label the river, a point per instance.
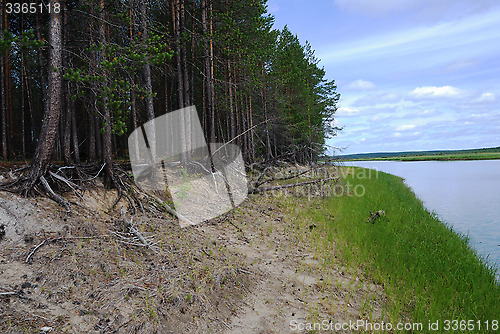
(464, 194)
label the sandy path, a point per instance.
(292, 284)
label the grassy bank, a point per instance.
(428, 271)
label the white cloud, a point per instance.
(422, 10)
(480, 115)
(461, 64)
(361, 85)
(373, 7)
(446, 42)
(487, 97)
(406, 135)
(376, 99)
(347, 111)
(406, 127)
(435, 92)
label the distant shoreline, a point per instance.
(429, 158)
(477, 154)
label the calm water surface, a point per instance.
(465, 194)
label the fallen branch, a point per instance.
(183, 221)
(9, 293)
(36, 248)
(259, 190)
(259, 183)
(138, 239)
(375, 215)
(27, 260)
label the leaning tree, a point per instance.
(48, 133)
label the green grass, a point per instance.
(428, 271)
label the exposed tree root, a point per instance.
(77, 179)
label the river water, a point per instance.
(464, 194)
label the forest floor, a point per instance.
(254, 270)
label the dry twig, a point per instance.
(259, 190)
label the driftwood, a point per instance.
(8, 294)
(375, 215)
(259, 190)
(55, 196)
(133, 236)
(260, 182)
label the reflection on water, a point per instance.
(465, 194)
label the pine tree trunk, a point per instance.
(146, 71)
(3, 102)
(269, 153)
(50, 124)
(177, 35)
(250, 116)
(7, 93)
(74, 131)
(212, 86)
(180, 80)
(208, 65)
(30, 107)
(107, 156)
(41, 62)
(23, 106)
(231, 108)
(89, 108)
(185, 77)
(67, 127)
(3, 107)
(66, 140)
(97, 134)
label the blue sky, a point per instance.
(412, 74)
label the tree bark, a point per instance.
(208, 65)
(185, 77)
(180, 81)
(50, 124)
(212, 86)
(41, 62)
(4, 108)
(231, 102)
(269, 153)
(66, 140)
(3, 89)
(107, 155)
(89, 109)
(74, 130)
(146, 72)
